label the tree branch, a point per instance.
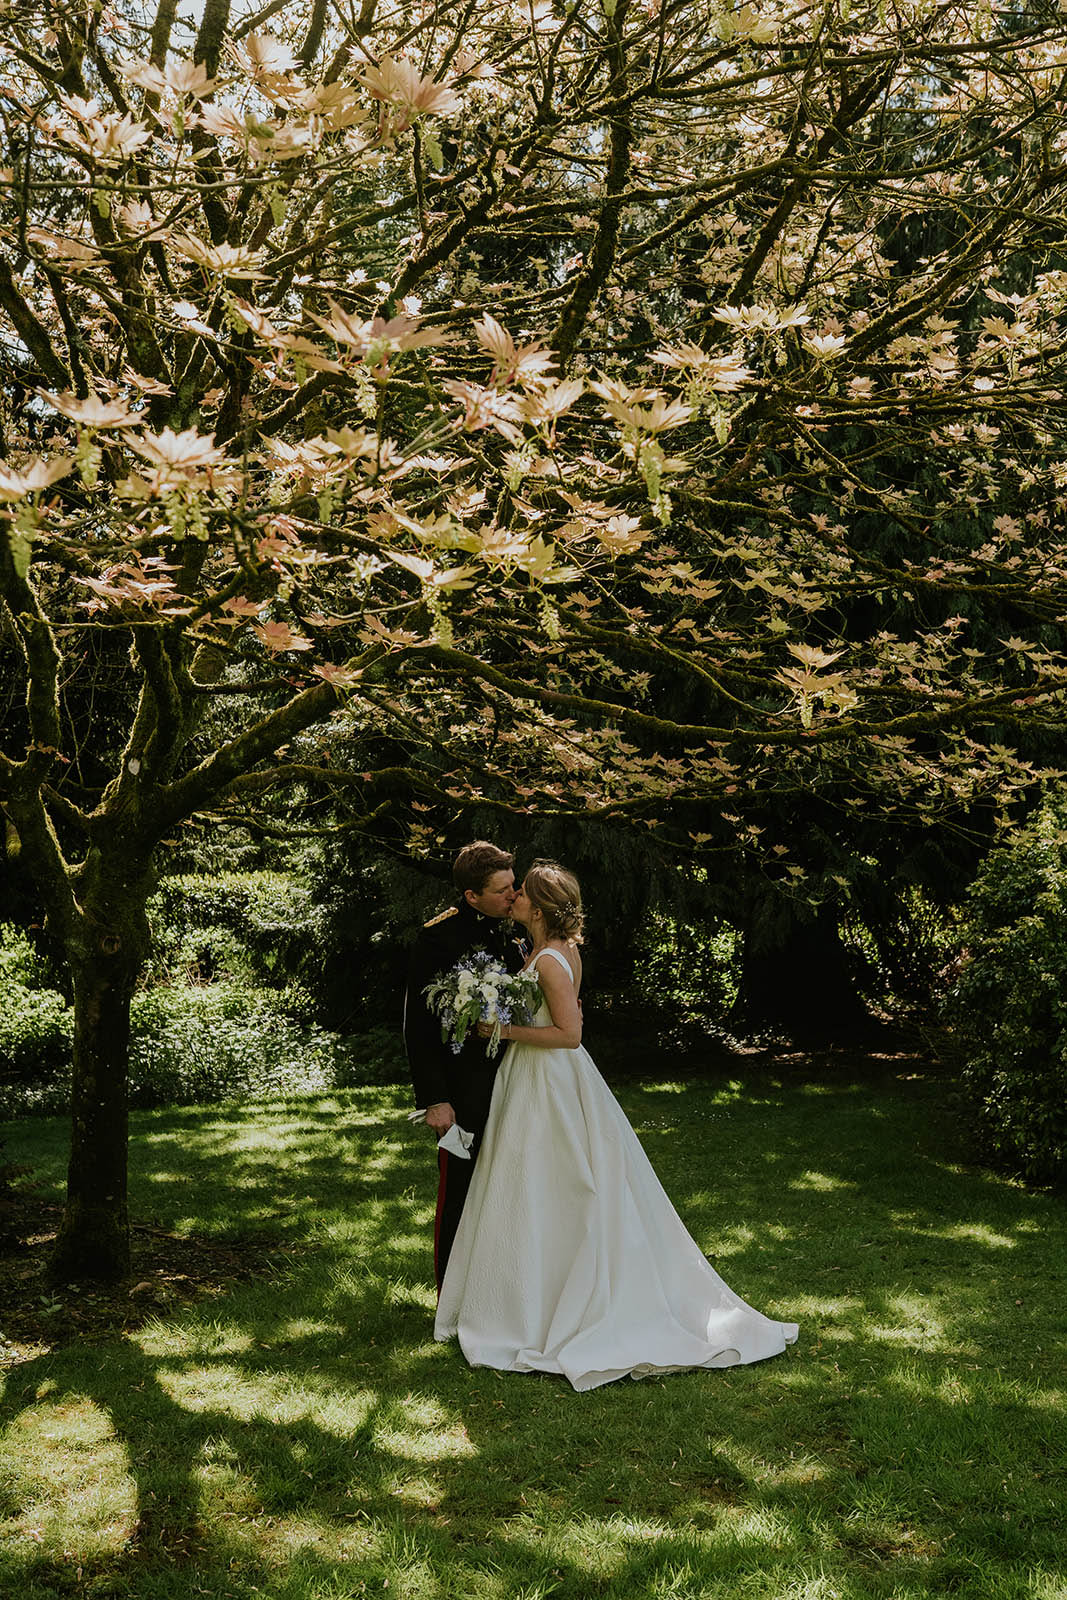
(30, 330)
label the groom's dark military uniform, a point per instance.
(464, 1080)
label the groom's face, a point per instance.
(497, 895)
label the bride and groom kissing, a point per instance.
(556, 1248)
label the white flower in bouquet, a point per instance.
(481, 989)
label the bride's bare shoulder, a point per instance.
(571, 956)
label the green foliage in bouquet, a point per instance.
(480, 989)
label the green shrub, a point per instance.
(1008, 1000)
(224, 1041)
(688, 969)
(194, 1040)
(254, 926)
(20, 962)
(35, 1031)
(36, 1027)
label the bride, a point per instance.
(569, 1256)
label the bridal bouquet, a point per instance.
(480, 989)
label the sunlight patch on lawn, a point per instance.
(68, 1479)
(723, 1094)
(306, 1328)
(600, 1547)
(159, 1338)
(916, 1324)
(292, 1537)
(256, 1541)
(733, 1241)
(583, 1539)
(821, 1182)
(1048, 1586)
(422, 1492)
(418, 1428)
(817, 1587)
(975, 1233)
(356, 1284)
(804, 1469)
(988, 1386)
(597, 1547)
(268, 1136)
(755, 1528)
(380, 1161)
(818, 1314)
(224, 1490)
(268, 1397)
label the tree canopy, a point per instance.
(641, 409)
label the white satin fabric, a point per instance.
(570, 1257)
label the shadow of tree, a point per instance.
(305, 1437)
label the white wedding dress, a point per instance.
(569, 1256)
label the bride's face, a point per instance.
(521, 907)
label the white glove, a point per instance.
(457, 1141)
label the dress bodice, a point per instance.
(543, 1017)
(560, 957)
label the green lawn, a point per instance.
(303, 1437)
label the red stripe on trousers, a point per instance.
(442, 1185)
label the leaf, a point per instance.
(19, 483)
(417, 564)
(188, 450)
(496, 340)
(222, 260)
(90, 412)
(432, 145)
(454, 578)
(264, 58)
(812, 656)
(21, 546)
(278, 636)
(398, 83)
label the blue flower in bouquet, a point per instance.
(481, 989)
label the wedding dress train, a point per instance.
(569, 1256)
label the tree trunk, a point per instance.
(94, 1236)
(798, 979)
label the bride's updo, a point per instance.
(554, 891)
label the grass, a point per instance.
(303, 1438)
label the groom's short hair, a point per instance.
(476, 864)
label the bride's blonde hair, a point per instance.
(554, 891)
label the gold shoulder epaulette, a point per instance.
(442, 916)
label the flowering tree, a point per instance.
(607, 406)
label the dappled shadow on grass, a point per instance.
(305, 1437)
(261, 1455)
(284, 1167)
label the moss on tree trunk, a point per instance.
(111, 943)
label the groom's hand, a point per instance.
(440, 1117)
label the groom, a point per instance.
(458, 1088)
